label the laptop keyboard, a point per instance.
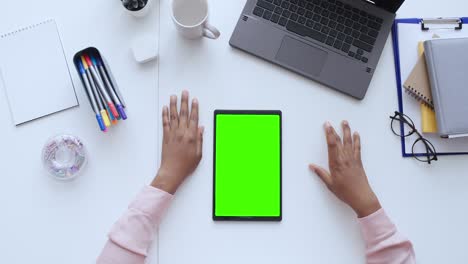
(331, 22)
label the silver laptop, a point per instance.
(335, 42)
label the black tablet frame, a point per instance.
(248, 218)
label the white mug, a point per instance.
(191, 19)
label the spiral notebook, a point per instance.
(418, 85)
(34, 72)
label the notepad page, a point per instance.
(35, 73)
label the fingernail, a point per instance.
(312, 168)
(345, 123)
(327, 126)
(185, 92)
(195, 101)
(173, 98)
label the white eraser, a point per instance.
(145, 48)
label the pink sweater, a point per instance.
(132, 234)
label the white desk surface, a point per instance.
(48, 222)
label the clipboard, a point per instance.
(409, 32)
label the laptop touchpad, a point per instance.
(301, 56)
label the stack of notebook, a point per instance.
(439, 82)
(418, 86)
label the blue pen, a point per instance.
(99, 119)
(118, 104)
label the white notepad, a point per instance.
(35, 73)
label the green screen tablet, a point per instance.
(247, 165)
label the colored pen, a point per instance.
(100, 65)
(99, 104)
(102, 96)
(100, 86)
(111, 116)
(104, 109)
(113, 119)
(107, 111)
(99, 119)
(104, 112)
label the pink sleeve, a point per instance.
(384, 244)
(132, 234)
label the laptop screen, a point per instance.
(389, 5)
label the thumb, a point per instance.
(322, 173)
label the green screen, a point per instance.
(248, 165)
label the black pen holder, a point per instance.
(101, 88)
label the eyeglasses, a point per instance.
(406, 128)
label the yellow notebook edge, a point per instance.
(428, 116)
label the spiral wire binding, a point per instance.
(26, 28)
(419, 97)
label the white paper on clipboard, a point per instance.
(409, 35)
